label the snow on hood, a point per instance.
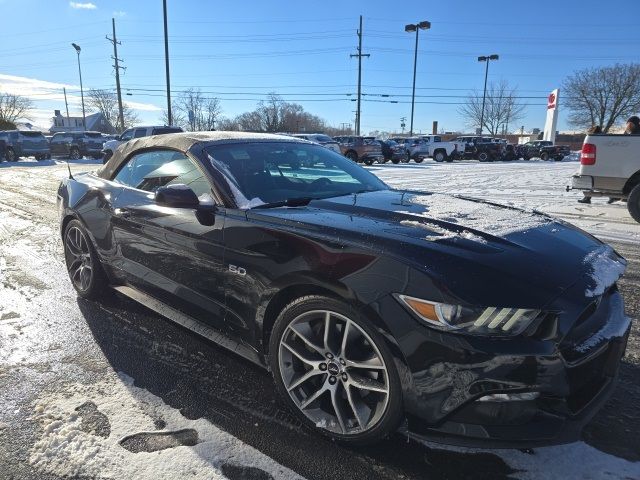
(604, 267)
(477, 215)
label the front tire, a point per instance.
(544, 156)
(633, 203)
(351, 155)
(335, 370)
(83, 265)
(74, 154)
(483, 157)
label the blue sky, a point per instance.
(241, 50)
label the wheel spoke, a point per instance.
(85, 277)
(301, 357)
(352, 404)
(345, 335)
(309, 343)
(313, 397)
(327, 326)
(364, 383)
(304, 378)
(336, 408)
(372, 363)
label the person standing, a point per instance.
(633, 126)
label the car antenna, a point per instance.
(69, 168)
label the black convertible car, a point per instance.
(470, 322)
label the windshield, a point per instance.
(274, 172)
(33, 135)
(93, 134)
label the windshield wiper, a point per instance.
(289, 202)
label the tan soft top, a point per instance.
(183, 142)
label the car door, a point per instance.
(170, 252)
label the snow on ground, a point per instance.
(532, 185)
(573, 461)
(87, 432)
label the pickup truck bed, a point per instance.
(610, 167)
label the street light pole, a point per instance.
(84, 120)
(411, 28)
(166, 62)
(486, 59)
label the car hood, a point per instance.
(111, 144)
(478, 250)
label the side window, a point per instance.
(127, 135)
(140, 132)
(157, 168)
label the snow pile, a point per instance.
(67, 448)
(480, 216)
(604, 268)
(575, 460)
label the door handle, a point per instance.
(122, 212)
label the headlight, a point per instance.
(476, 320)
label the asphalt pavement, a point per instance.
(50, 339)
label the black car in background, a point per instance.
(394, 151)
(475, 323)
(544, 150)
(75, 145)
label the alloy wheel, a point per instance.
(78, 257)
(334, 372)
(74, 154)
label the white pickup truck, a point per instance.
(610, 167)
(432, 146)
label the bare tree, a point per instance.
(193, 111)
(14, 107)
(602, 96)
(106, 102)
(501, 107)
(177, 118)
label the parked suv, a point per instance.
(484, 149)
(76, 144)
(545, 150)
(25, 144)
(361, 149)
(135, 132)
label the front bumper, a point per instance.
(572, 369)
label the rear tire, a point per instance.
(395, 161)
(440, 156)
(368, 161)
(418, 159)
(83, 265)
(310, 360)
(633, 203)
(74, 154)
(10, 155)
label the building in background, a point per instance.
(96, 122)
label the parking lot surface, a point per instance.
(86, 388)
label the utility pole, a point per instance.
(359, 55)
(166, 62)
(64, 89)
(117, 67)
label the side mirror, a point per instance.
(177, 196)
